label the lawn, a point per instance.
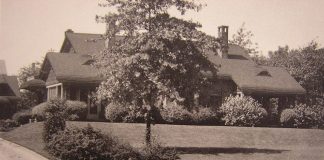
(202, 142)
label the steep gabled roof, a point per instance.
(12, 83)
(89, 44)
(71, 68)
(246, 75)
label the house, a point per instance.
(68, 74)
(9, 92)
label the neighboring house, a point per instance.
(9, 92)
(69, 75)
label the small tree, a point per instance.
(159, 55)
(243, 37)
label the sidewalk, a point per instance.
(12, 151)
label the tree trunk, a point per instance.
(148, 127)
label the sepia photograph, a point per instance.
(161, 80)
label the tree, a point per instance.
(28, 98)
(243, 37)
(156, 56)
(305, 64)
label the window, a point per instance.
(264, 73)
(84, 95)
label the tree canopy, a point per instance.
(152, 54)
(305, 64)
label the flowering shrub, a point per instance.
(287, 118)
(302, 116)
(205, 115)
(176, 114)
(38, 111)
(76, 110)
(22, 117)
(54, 118)
(115, 112)
(87, 143)
(242, 111)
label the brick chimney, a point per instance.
(3, 69)
(223, 36)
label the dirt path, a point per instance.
(12, 151)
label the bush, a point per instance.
(87, 143)
(115, 112)
(242, 111)
(287, 118)
(176, 114)
(307, 116)
(302, 116)
(134, 115)
(38, 111)
(54, 118)
(22, 117)
(76, 110)
(8, 124)
(156, 152)
(205, 116)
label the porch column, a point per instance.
(48, 94)
(282, 104)
(62, 92)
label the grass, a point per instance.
(201, 142)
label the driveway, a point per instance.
(12, 151)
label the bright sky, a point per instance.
(30, 28)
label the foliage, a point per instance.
(307, 116)
(158, 54)
(155, 151)
(8, 124)
(303, 116)
(243, 38)
(176, 114)
(76, 110)
(115, 112)
(28, 98)
(242, 111)
(87, 143)
(54, 118)
(205, 115)
(306, 65)
(135, 114)
(38, 111)
(22, 117)
(28, 71)
(287, 118)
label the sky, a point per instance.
(30, 28)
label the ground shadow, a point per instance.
(218, 150)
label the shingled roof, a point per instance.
(256, 79)
(71, 68)
(11, 83)
(89, 44)
(248, 76)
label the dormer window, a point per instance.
(264, 73)
(89, 62)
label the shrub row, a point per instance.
(8, 124)
(303, 116)
(87, 143)
(173, 113)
